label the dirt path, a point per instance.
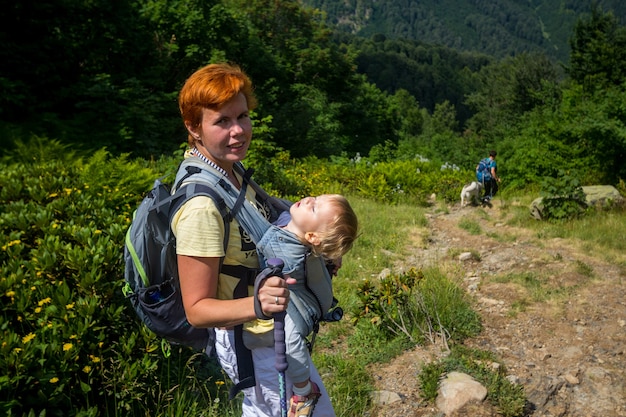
(568, 351)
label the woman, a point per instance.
(215, 103)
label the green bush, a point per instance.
(418, 305)
(562, 197)
(71, 345)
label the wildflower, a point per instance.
(10, 294)
(219, 383)
(69, 306)
(37, 310)
(44, 301)
(54, 380)
(67, 346)
(98, 232)
(73, 336)
(94, 359)
(17, 350)
(52, 195)
(28, 337)
(33, 288)
(87, 369)
(11, 243)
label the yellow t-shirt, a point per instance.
(199, 230)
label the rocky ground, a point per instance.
(568, 351)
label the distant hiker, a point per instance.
(487, 174)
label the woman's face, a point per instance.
(225, 134)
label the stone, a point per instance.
(385, 397)
(465, 256)
(456, 390)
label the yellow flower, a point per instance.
(69, 306)
(10, 293)
(37, 309)
(98, 232)
(100, 345)
(11, 243)
(94, 359)
(73, 336)
(17, 350)
(87, 369)
(52, 195)
(33, 288)
(28, 337)
(54, 380)
(67, 346)
(219, 383)
(44, 301)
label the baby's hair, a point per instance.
(341, 232)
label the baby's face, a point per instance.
(312, 214)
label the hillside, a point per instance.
(567, 350)
(497, 28)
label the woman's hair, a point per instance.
(211, 87)
(341, 232)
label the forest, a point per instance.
(497, 28)
(89, 119)
(105, 75)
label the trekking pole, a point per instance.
(280, 347)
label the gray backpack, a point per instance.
(151, 274)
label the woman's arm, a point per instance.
(198, 284)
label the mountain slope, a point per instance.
(496, 27)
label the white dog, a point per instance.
(471, 193)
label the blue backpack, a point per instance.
(483, 172)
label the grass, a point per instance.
(470, 226)
(343, 350)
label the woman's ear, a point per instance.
(313, 238)
(192, 130)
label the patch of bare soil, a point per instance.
(567, 348)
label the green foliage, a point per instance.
(509, 398)
(598, 45)
(562, 197)
(71, 343)
(417, 305)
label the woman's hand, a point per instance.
(273, 294)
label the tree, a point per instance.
(598, 56)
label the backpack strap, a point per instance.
(246, 276)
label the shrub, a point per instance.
(562, 197)
(419, 306)
(71, 344)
